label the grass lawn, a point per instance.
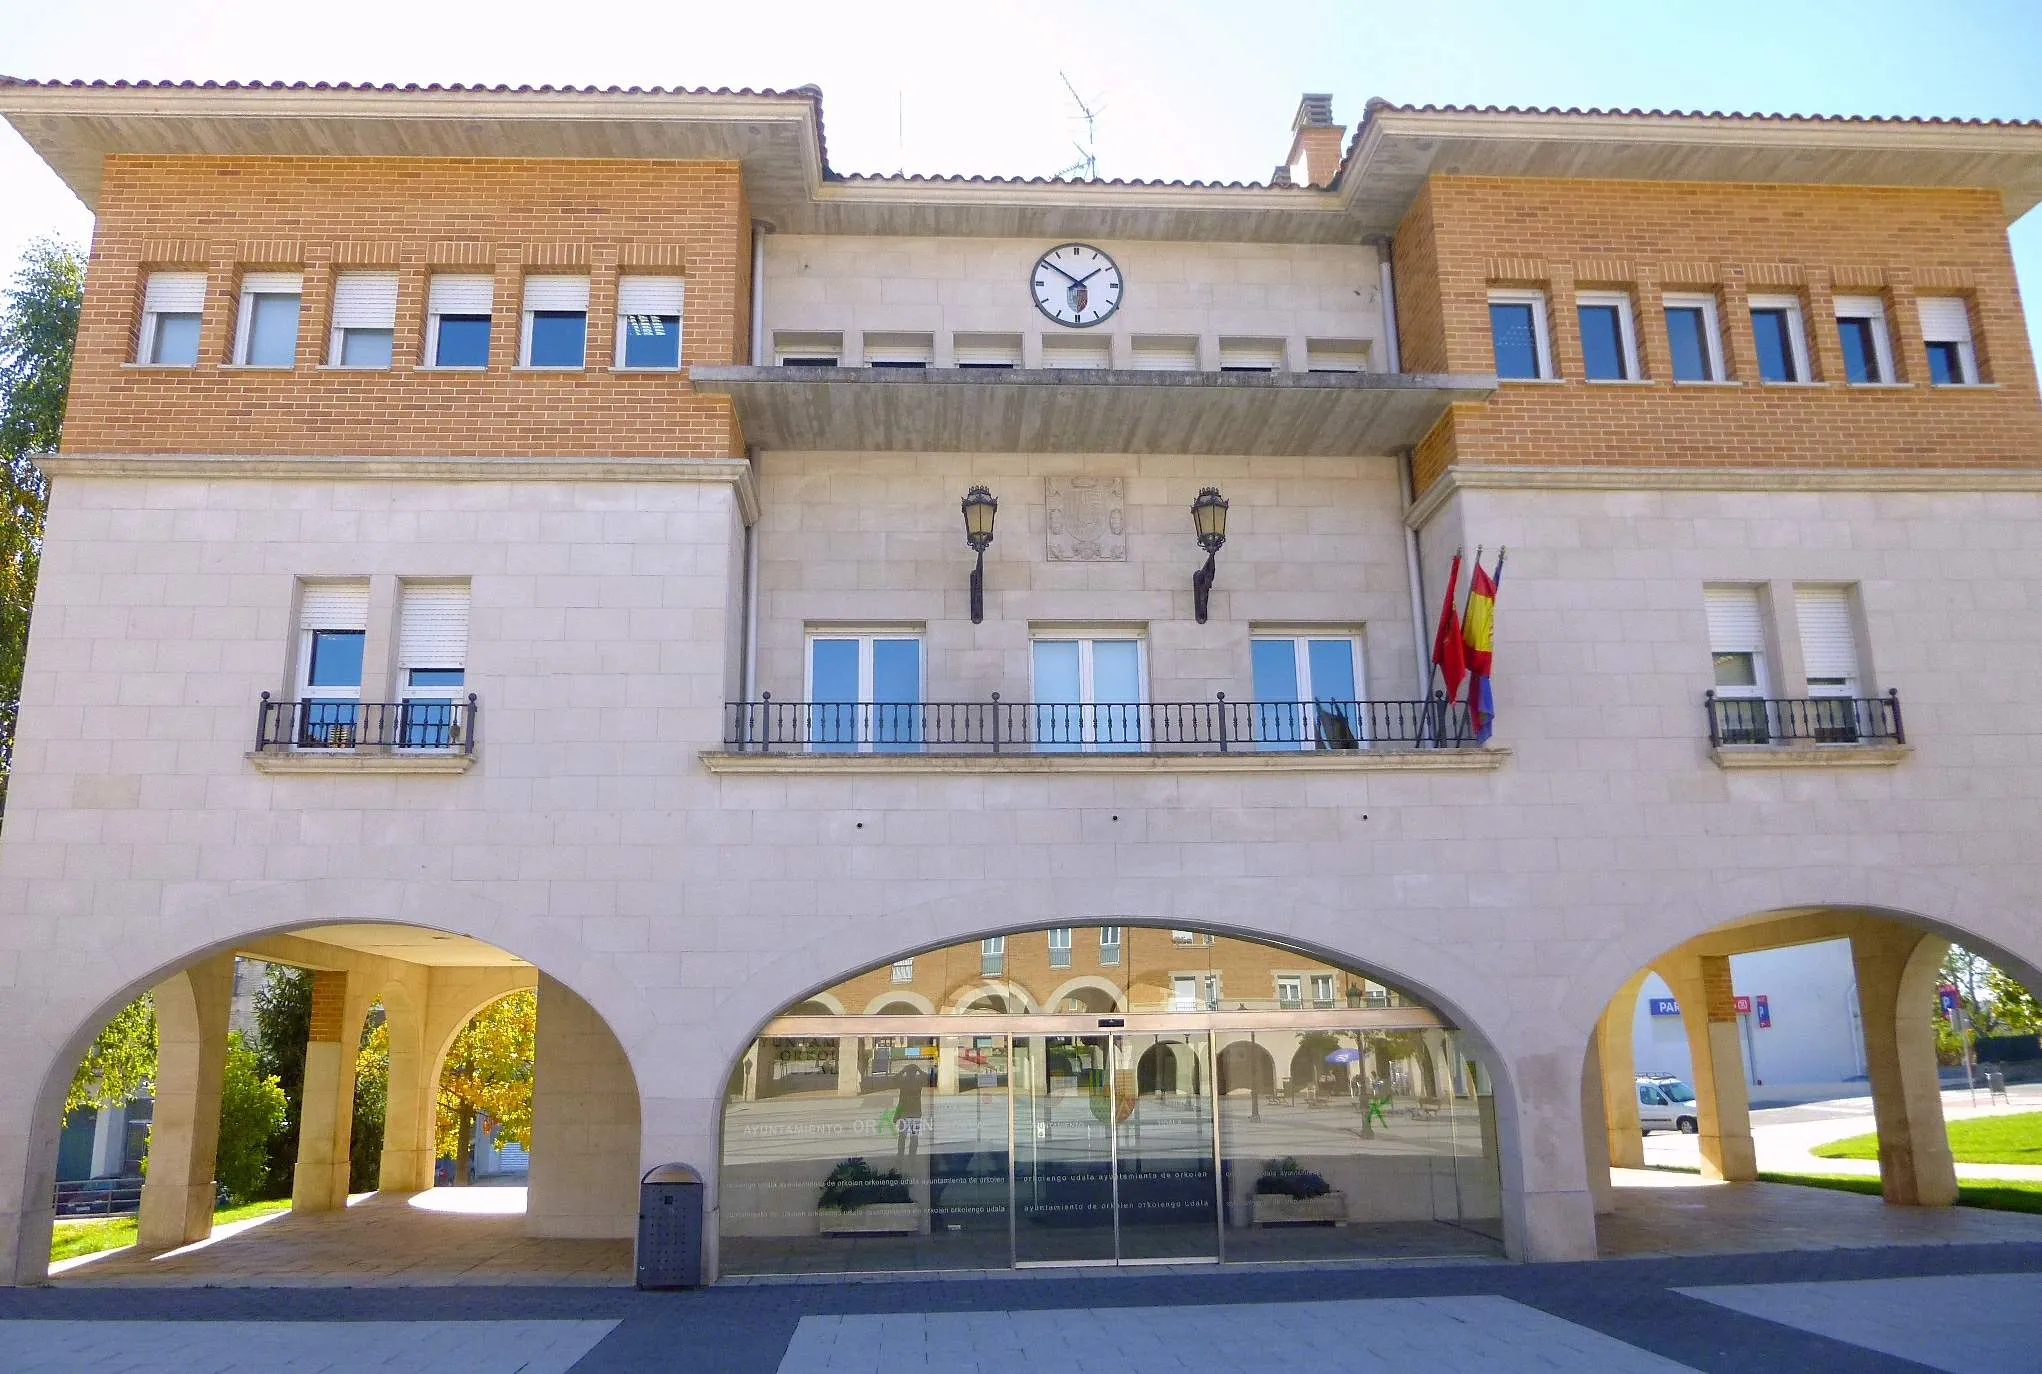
(2004, 1196)
(75, 1236)
(1978, 1140)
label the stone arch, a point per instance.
(1245, 1066)
(1102, 991)
(883, 1004)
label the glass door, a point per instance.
(1063, 1149)
(1167, 1186)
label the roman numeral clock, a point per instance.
(1075, 284)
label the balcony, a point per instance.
(1776, 732)
(1183, 736)
(416, 736)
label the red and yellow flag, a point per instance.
(1478, 639)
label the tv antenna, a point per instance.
(1088, 151)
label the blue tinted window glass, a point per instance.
(365, 348)
(896, 693)
(428, 725)
(1058, 720)
(1279, 723)
(1116, 688)
(177, 340)
(273, 331)
(437, 677)
(1860, 357)
(463, 341)
(652, 341)
(833, 687)
(1602, 343)
(1775, 345)
(1687, 334)
(1517, 345)
(1332, 664)
(559, 338)
(336, 659)
(1946, 365)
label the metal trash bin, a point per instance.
(670, 1227)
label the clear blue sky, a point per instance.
(1189, 88)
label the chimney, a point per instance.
(1316, 144)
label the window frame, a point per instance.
(1627, 331)
(244, 318)
(1300, 639)
(1542, 335)
(1872, 309)
(1055, 949)
(1797, 338)
(528, 315)
(435, 317)
(866, 637)
(336, 334)
(1086, 638)
(1967, 346)
(1332, 985)
(149, 340)
(624, 317)
(1712, 334)
(902, 970)
(1113, 959)
(992, 956)
(1290, 991)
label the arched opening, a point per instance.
(1108, 1096)
(394, 1058)
(1792, 1045)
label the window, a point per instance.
(649, 323)
(1184, 992)
(1694, 338)
(171, 305)
(364, 319)
(1290, 991)
(914, 351)
(1517, 331)
(457, 320)
(1088, 694)
(266, 334)
(1829, 656)
(808, 350)
(1322, 989)
(333, 619)
(993, 351)
(1251, 355)
(866, 693)
(1164, 354)
(904, 970)
(1336, 355)
(1109, 944)
(1060, 947)
(1861, 328)
(1737, 648)
(1084, 355)
(1782, 347)
(1183, 937)
(1946, 334)
(1307, 691)
(432, 663)
(1609, 341)
(556, 323)
(992, 956)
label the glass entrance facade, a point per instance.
(1163, 1107)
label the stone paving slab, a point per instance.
(1448, 1335)
(1960, 1324)
(293, 1347)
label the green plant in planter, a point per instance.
(1286, 1178)
(854, 1184)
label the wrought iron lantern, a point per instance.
(980, 506)
(1209, 518)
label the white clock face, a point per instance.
(1075, 284)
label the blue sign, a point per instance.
(1765, 1012)
(1947, 994)
(1664, 1006)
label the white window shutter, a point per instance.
(433, 626)
(462, 294)
(1829, 642)
(1164, 355)
(1859, 308)
(365, 300)
(1251, 353)
(1735, 624)
(988, 350)
(272, 283)
(645, 295)
(175, 293)
(1944, 319)
(556, 293)
(334, 606)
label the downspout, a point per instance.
(1413, 572)
(748, 679)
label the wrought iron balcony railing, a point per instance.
(995, 726)
(1804, 720)
(422, 723)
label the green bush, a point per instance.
(252, 1109)
(1286, 1178)
(854, 1184)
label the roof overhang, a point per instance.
(1058, 410)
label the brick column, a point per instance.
(326, 1117)
(184, 1138)
(1740, 354)
(1708, 1012)
(1655, 354)
(1825, 345)
(1897, 970)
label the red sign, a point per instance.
(1744, 1006)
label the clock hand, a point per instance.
(1074, 281)
(1080, 281)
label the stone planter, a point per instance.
(1274, 1209)
(877, 1219)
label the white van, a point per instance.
(1666, 1104)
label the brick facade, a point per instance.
(322, 216)
(1464, 235)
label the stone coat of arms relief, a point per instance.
(1087, 520)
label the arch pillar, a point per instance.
(1595, 1135)
(178, 1197)
(1708, 1013)
(1897, 970)
(586, 1127)
(326, 1115)
(1619, 1064)
(412, 1105)
(1548, 1210)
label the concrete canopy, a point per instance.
(1060, 410)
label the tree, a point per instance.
(121, 1061)
(38, 330)
(372, 1097)
(488, 1074)
(252, 1108)
(283, 1021)
(2014, 1007)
